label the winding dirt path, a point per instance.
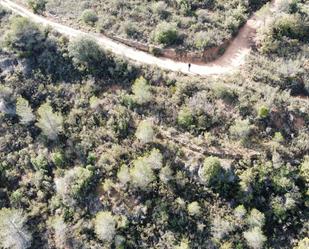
(232, 59)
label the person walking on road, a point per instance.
(189, 67)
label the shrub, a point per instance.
(37, 6)
(304, 169)
(89, 17)
(124, 174)
(255, 238)
(166, 174)
(263, 112)
(61, 231)
(221, 227)
(131, 30)
(73, 185)
(142, 91)
(194, 208)
(185, 118)
(160, 8)
(58, 159)
(302, 244)
(145, 132)
(13, 233)
(49, 122)
(211, 170)
(105, 226)
(166, 34)
(184, 244)
(120, 121)
(39, 162)
(290, 26)
(240, 130)
(87, 54)
(240, 212)
(3, 12)
(24, 111)
(24, 37)
(256, 218)
(141, 173)
(155, 159)
(203, 40)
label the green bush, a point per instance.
(166, 34)
(124, 174)
(24, 111)
(141, 173)
(105, 226)
(160, 8)
(241, 130)
(38, 6)
(145, 132)
(13, 231)
(51, 123)
(87, 54)
(211, 170)
(72, 187)
(304, 169)
(203, 40)
(58, 159)
(142, 91)
(89, 17)
(256, 218)
(185, 118)
(194, 208)
(24, 37)
(263, 112)
(302, 244)
(255, 238)
(39, 162)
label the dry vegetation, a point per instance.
(98, 153)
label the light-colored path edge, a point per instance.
(233, 58)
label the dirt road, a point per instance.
(232, 59)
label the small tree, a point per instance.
(24, 111)
(166, 34)
(123, 174)
(241, 130)
(73, 185)
(89, 17)
(61, 231)
(145, 132)
(194, 208)
(24, 37)
(49, 121)
(211, 170)
(185, 118)
(304, 169)
(13, 233)
(87, 54)
(141, 173)
(142, 91)
(155, 159)
(105, 226)
(263, 112)
(303, 244)
(256, 218)
(255, 238)
(38, 6)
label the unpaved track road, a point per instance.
(232, 59)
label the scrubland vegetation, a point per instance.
(96, 152)
(183, 24)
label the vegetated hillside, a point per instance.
(186, 24)
(98, 153)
